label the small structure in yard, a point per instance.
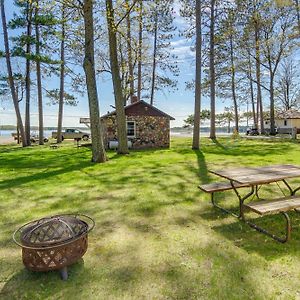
(286, 121)
(147, 126)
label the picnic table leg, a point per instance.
(257, 188)
(222, 208)
(242, 199)
(292, 192)
(288, 229)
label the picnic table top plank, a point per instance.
(259, 175)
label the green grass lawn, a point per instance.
(156, 236)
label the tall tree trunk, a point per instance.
(140, 45)
(154, 60)
(252, 93)
(260, 115)
(39, 77)
(28, 70)
(62, 77)
(212, 71)
(129, 53)
(233, 86)
(115, 71)
(122, 62)
(298, 13)
(10, 76)
(98, 151)
(272, 104)
(197, 109)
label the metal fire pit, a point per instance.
(53, 243)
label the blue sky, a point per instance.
(178, 104)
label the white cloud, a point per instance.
(182, 49)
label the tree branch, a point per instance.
(127, 13)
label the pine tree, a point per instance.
(160, 26)
(98, 151)
(11, 77)
(117, 84)
(197, 109)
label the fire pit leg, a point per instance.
(64, 273)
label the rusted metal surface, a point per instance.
(53, 243)
(55, 258)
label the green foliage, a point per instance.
(54, 95)
(160, 19)
(204, 116)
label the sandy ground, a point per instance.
(5, 140)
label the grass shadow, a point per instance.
(202, 166)
(16, 182)
(17, 286)
(247, 238)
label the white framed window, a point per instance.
(131, 129)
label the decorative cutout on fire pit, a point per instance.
(52, 230)
(53, 243)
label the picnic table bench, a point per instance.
(53, 146)
(254, 178)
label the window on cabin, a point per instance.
(130, 128)
(285, 122)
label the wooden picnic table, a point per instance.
(254, 178)
(259, 175)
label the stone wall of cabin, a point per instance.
(151, 131)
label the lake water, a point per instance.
(7, 133)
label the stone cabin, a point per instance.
(147, 126)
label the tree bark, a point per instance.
(272, 103)
(28, 71)
(98, 151)
(197, 109)
(39, 78)
(129, 53)
(260, 115)
(252, 94)
(154, 60)
(233, 86)
(115, 71)
(212, 71)
(298, 13)
(62, 77)
(140, 45)
(10, 76)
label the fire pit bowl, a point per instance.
(53, 243)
